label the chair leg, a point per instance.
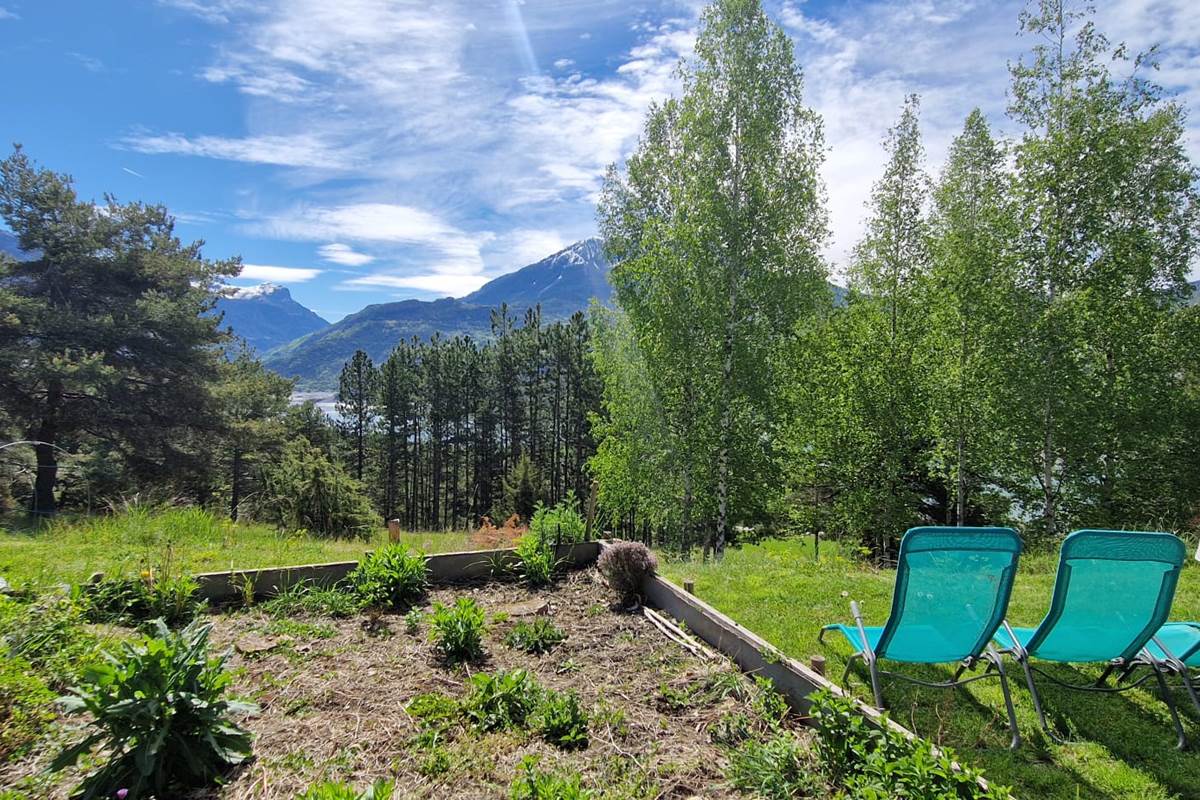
(875, 686)
(846, 671)
(1037, 701)
(995, 661)
(1104, 675)
(1191, 688)
(1165, 690)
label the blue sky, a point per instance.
(361, 151)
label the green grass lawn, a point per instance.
(183, 540)
(1119, 746)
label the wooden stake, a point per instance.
(689, 587)
(394, 530)
(818, 665)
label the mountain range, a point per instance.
(561, 284)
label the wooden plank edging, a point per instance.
(443, 568)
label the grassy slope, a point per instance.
(1122, 746)
(180, 540)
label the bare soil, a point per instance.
(333, 697)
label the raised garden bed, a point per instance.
(336, 699)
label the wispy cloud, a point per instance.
(433, 282)
(266, 272)
(90, 63)
(133, 172)
(6, 14)
(344, 254)
(291, 150)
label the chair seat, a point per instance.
(914, 644)
(1005, 641)
(1182, 639)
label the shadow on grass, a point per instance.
(1132, 727)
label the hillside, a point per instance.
(562, 284)
(266, 316)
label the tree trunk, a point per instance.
(235, 487)
(47, 459)
(726, 429)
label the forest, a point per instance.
(1016, 344)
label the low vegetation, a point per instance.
(457, 630)
(392, 577)
(538, 637)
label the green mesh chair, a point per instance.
(1176, 647)
(951, 594)
(1112, 593)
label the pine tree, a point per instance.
(356, 398)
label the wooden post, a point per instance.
(689, 587)
(818, 665)
(591, 510)
(394, 530)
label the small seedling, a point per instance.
(412, 620)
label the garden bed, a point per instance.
(336, 694)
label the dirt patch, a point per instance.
(333, 697)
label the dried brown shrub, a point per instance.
(490, 537)
(626, 565)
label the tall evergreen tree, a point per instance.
(356, 398)
(104, 335)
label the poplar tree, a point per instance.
(717, 222)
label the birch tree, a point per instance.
(718, 221)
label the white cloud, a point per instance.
(6, 14)
(132, 172)
(443, 284)
(265, 272)
(563, 63)
(214, 11)
(344, 254)
(294, 150)
(90, 63)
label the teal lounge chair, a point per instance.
(1112, 593)
(1177, 647)
(952, 590)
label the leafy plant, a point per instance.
(159, 713)
(558, 524)
(767, 702)
(412, 620)
(537, 561)
(501, 701)
(561, 721)
(880, 762)
(380, 790)
(532, 783)
(50, 634)
(457, 631)
(434, 710)
(627, 565)
(132, 600)
(25, 704)
(391, 577)
(539, 636)
(776, 769)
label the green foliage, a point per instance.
(501, 701)
(558, 524)
(390, 577)
(25, 707)
(537, 561)
(434, 710)
(457, 631)
(49, 633)
(539, 636)
(308, 598)
(412, 620)
(523, 489)
(532, 783)
(561, 721)
(880, 762)
(305, 490)
(158, 713)
(768, 703)
(358, 386)
(380, 790)
(130, 601)
(777, 769)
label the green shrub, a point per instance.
(880, 762)
(304, 489)
(391, 577)
(501, 701)
(380, 790)
(539, 636)
(457, 631)
(158, 712)
(307, 598)
(130, 601)
(561, 721)
(532, 783)
(775, 770)
(558, 524)
(25, 707)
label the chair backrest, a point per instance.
(1112, 592)
(952, 590)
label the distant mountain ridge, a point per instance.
(560, 284)
(266, 316)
